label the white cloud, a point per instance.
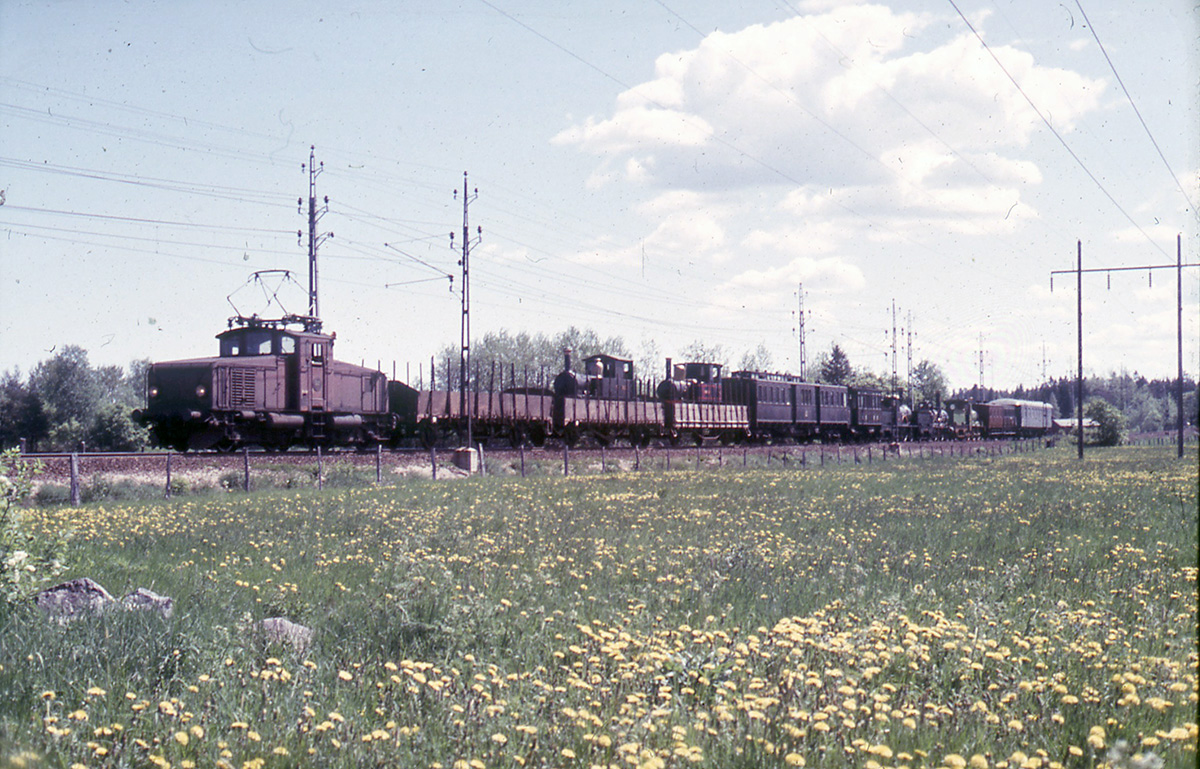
(826, 100)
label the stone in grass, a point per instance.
(284, 631)
(150, 601)
(73, 598)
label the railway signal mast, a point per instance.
(313, 322)
(464, 358)
(800, 321)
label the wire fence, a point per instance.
(79, 478)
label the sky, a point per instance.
(667, 172)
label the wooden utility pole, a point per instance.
(1149, 268)
(1079, 321)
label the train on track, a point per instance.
(276, 384)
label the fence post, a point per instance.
(566, 461)
(522, 451)
(74, 480)
(637, 457)
(167, 492)
(482, 463)
(697, 459)
(320, 471)
(744, 452)
(245, 469)
(433, 462)
(378, 464)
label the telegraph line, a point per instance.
(1054, 131)
(1092, 28)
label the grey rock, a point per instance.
(73, 598)
(148, 600)
(284, 631)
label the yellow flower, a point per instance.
(793, 759)
(978, 762)
(197, 731)
(568, 753)
(96, 691)
(345, 675)
(181, 738)
(499, 738)
(954, 761)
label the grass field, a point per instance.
(1021, 611)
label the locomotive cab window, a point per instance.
(318, 353)
(287, 345)
(258, 343)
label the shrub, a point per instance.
(27, 558)
(1110, 422)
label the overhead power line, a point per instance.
(1053, 130)
(1136, 111)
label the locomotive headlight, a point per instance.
(153, 392)
(201, 391)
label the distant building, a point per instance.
(1071, 425)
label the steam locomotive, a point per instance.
(276, 384)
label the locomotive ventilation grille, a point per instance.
(241, 388)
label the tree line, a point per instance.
(66, 404)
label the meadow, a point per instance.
(1023, 611)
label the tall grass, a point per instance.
(1023, 611)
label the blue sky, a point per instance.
(666, 172)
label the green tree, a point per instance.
(21, 413)
(759, 359)
(521, 354)
(701, 352)
(928, 383)
(70, 391)
(114, 430)
(835, 367)
(870, 380)
(1110, 422)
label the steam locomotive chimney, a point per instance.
(566, 359)
(670, 370)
